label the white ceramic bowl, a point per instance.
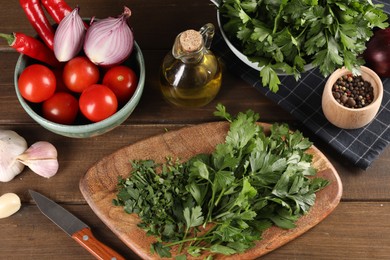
(351, 118)
(135, 61)
(243, 57)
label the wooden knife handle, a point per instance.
(85, 238)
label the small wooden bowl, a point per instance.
(351, 118)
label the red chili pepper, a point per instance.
(31, 47)
(57, 9)
(38, 20)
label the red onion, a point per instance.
(377, 54)
(109, 41)
(69, 36)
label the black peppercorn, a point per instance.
(353, 91)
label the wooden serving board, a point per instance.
(98, 186)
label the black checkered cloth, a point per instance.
(302, 99)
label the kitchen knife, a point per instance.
(74, 227)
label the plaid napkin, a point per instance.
(303, 100)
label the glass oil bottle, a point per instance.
(191, 74)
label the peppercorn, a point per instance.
(353, 91)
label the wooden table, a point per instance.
(357, 229)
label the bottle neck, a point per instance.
(188, 47)
(192, 58)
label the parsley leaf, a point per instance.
(193, 216)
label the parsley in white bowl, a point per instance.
(290, 37)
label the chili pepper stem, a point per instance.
(32, 47)
(10, 38)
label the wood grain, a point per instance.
(356, 230)
(99, 250)
(99, 186)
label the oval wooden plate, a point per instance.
(98, 186)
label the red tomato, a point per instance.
(37, 83)
(122, 81)
(98, 102)
(61, 108)
(79, 73)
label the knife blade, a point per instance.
(74, 227)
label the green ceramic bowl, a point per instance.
(84, 129)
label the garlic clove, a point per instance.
(41, 158)
(9, 204)
(40, 150)
(44, 167)
(11, 146)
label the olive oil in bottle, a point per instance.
(191, 74)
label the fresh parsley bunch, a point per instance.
(220, 203)
(286, 35)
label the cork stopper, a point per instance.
(191, 40)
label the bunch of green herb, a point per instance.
(220, 203)
(288, 34)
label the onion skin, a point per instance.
(377, 54)
(69, 36)
(109, 41)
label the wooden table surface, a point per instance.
(357, 229)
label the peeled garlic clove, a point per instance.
(9, 204)
(41, 158)
(11, 146)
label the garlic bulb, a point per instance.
(41, 157)
(11, 146)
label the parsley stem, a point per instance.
(277, 18)
(211, 207)
(220, 196)
(185, 235)
(190, 239)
